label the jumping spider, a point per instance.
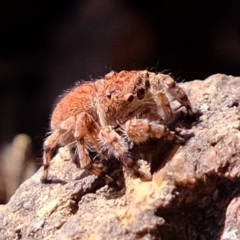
(105, 115)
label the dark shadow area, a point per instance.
(198, 212)
(109, 172)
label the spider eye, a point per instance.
(141, 93)
(128, 97)
(109, 95)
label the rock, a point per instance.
(17, 163)
(194, 193)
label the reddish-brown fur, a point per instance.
(134, 102)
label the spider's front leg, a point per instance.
(140, 130)
(115, 145)
(176, 92)
(164, 109)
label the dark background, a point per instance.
(46, 46)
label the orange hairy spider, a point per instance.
(105, 115)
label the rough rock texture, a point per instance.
(194, 193)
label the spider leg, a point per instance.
(177, 93)
(85, 126)
(139, 130)
(164, 109)
(51, 143)
(113, 144)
